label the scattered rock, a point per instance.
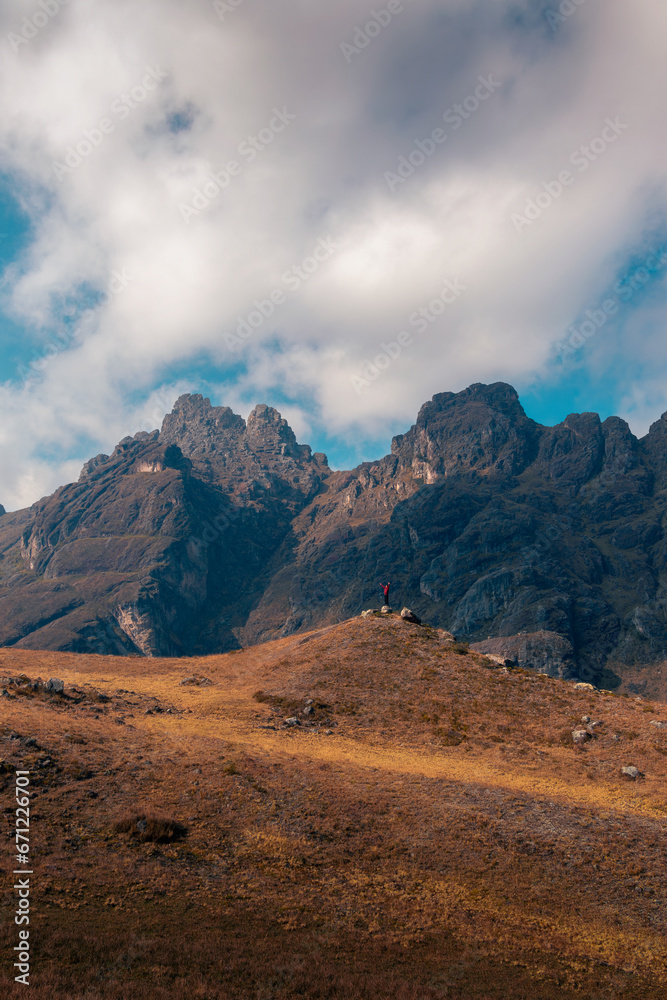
(292, 721)
(631, 772)
(500, 660)
(580, 736)
(386, 610)
(308, 710)
(196, 681)
(142, 825)
(582, 686)
(409, 616)
(445, 636)
(55, 686)
(661, 725)
(367, 614)
(585, 718)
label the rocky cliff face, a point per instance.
(217, 532)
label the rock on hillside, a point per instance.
(217, 532)
(545, 652)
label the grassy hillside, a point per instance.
(428, 830)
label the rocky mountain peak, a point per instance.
(200, 429)
(482, 429)
(268, 430)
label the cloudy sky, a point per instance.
(337, 209)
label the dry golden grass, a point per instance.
(428, 831)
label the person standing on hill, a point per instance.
(385, 587)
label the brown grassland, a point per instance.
(428, 830)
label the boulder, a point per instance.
(631, 772)
(545, 652)
(367, 614)
(500, 660)
(55, 686)
(409, 616)
(580, 736)
(386, 610)
(582, 686)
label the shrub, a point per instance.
(151, 827)
(460, 647)
(78, 771)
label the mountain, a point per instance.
(214, 533)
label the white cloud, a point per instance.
(118, 211)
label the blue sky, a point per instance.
(330, 210)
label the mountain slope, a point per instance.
(429, 828)
(214, 533)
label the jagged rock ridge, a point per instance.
(216, 532)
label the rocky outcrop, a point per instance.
(217, 532)
(545, 652)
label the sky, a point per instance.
(336, 209)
